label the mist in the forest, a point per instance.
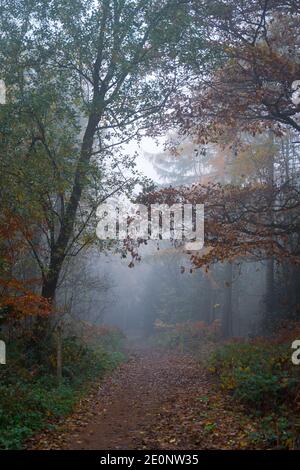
(163, 286)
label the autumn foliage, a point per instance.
(18, 298)
(238, 222)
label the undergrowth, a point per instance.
(31, 399)
(260, 375)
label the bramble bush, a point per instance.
(261, 376)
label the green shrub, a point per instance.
(261, 376)
(26, 406)
(31, 399)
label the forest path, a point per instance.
(154, 401)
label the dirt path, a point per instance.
(155, 401)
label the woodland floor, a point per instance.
(154, 401)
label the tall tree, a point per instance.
(104, 70)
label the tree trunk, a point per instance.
(59, 355)
(212, 309)
(42, 330)
(270, 262)
(206, 302)
(270, 286)
(227, 319)
(58, 250)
